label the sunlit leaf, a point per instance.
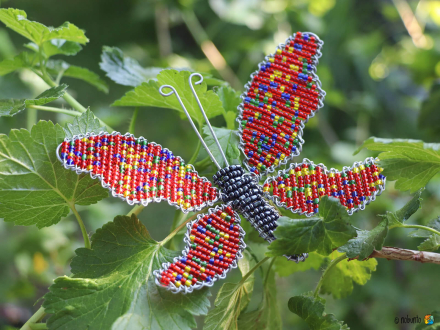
(230, 99)
(38, 33)
(34, 188)
(231, 300)
(434, 223)
(432, 243)
(147, 95)
(397, 219)
(322, 234)
(366, 241)
(285, 267)
(56, 47)
(83, 124)
(311, 310)
(113, 285)
(412, 163)
(11, 107)
(340, 279)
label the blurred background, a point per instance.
(380, 65)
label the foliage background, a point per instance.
(376, 77)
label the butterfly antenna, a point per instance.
(173, 91)
(204, 113)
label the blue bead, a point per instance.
(231, 227)
(63, 155)
(209, 221)
(247, 99)
(69, 162)
(381, 176)
(208, 279)
(221, 258)
(183, 260)
(350, 201)
(178, 277)
(344, 182)
(104, 140)
(308, 201)
(97, 163)
(354, 194)
(362, 198)
(341, 192)
(138, 188)
(211, 261)
(215, 249)
(316, 210)
(334, 194)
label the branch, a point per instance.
(394, 253)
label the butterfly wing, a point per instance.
(214, 243)
(300, 187)
(137, 171)
(282, 95)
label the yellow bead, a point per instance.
(375, 173)
(180, 201)
(192, 238)
(380, 169)
(279, 51)
(187, 205)
(356, 170)
(288, 77)
(202, 269)
(174, 274)
(185, 274)
(222, 234)
(228, 255)
(372, 184)
(331, 175)
(276, 161)
(187, 269)
(90, 167)
(334, 186)
(379, 181)
(207, 239)
(220, 251)
(177, 283)
(288, 188)
(223, 215)
(126, 193)
(294, 134)
(104, 148)
(282, 156)
(188, 283)
(271, 60)
(292, 172)
(226, 236)
(212, 254)
(282, 134)
(314, 183)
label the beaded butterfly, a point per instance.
(280, 98)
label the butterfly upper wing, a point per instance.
(137, 171)
(214, 243)
(301, 186)
(282, 95)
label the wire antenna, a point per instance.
(204, 114)
(173, 91)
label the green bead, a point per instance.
(312, 167)
(84, 157)
(161, 187)
(288, 103)
(91, 149)
(135, 167)
(295, 141)
(204, 263)
(259, 151)
(295, 188)
(190, 277)
(211, 241)
(316, 201)
(72, 143)
(144, 142)
(194, 246)
(286, 176)
(275, 123)
(289, 194)
(217, 237)
(220, 246)
(153, 188)
(120, 182)
(301, 189)
(308, 185)
(228, 218)
(263, 167)
(343, 174)
(111, 143)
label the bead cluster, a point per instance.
(281, 97)
(215, 243)
(138, 171)
(300, 187)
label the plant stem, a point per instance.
(394, 253)
(39, 314)
(135, 210)
(249, 273)
(31, 119)
(209, 49)
(202, 164)
(38, 326)
(268, 270)
(422, 227)
(329, 268)
(175, 231)
(133, 120)
(53, 109)
(82, 226)
(196, 152)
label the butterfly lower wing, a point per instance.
(137, 171)
(300, 187)
(282, 95)
(214, 243)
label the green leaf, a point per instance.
(432, 243)
(311, 310)
(429, 117)
(59, 67)
(267, 316)
(230, 99)
(56, 47)
(83, 124)
(286, 267)
(339, 280)
(228, 140)
(125, 70)
(435, 224)
(397, 219)
(231, 300)
(147, 95)
(38, 33)
(366, 241)
(113, 285)
(411, 162)
(11, 107)
(22, 60)
(322, 234)
(35, 189)
(434, 326)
